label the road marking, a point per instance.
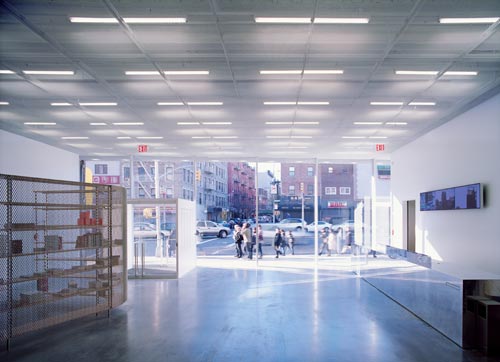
(206, 241)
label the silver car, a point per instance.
(205, 228)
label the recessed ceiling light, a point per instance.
(225, 137)
(282, 20)
(123, 137)
(98, 124)
(49, 72)
(468, 20)
(295, 71)
(377, 137)
(40, 123)
(216, 123)
(397, 123)
(325, 71)
(61, 104)
(313, 103)
(128, 123)
(205, 103)
(170, 103)
(6, 71)
(452, 72)
(188, 123)
(341, 20)
(142, 72)
(367, 123)
(186, 72)
(149, 137)
(353, 137)
(422, 103)
(200, 137)
(97, 104)
(154, 20)
(4, 103)
(280, 103)
(386, 103)
(78, 19)
(74, 138)
(416, 72)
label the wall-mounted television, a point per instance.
(453, 198)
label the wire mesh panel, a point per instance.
(56, 252)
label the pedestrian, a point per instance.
(291, 242)
(332, 242)
(284, 243)
(246, 231)
(324, 239)
(238, 239)
(260, 238)
(277, 242)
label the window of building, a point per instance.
(291, 171)
(126, 172)
(330, 191)
(170, 192)
(170, 173)
(291, 190)
(153, 194)
(344, 190)
(101, 169)
(142, 192)
(310, 189)
(330, 169)
(310, 171)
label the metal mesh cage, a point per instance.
(61, 252)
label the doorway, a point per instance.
(410, 225)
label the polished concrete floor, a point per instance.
(226, 310)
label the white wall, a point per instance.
(25, 157)
(465, 150)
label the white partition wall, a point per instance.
(186, 238)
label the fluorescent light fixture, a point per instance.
(313, 103)
(186, 72)
(324, 71)
(154, 20)
(468, 20)
(6, 71)
(170, 103)
(128, 123)
(205, 103)
(367, 123)
(294, 71)
(353, 137)
(98, 124)
(377, 137)
(277, 136)
(74, 138)
(61, 104)
(280, 103)
(297, 147)
(40, 123)
(452, 72)
(149, 137)
(397, 123)
(299, 137)
(200, 137)
(97, 104)
(188, 123)
(49, 72)
(416, 72)
(78, 19)
(306, 123)
(142, 72)
(216, 123)
(422, 103)
(225, 137)
(4, 103)
(123, 138)
(341, 20)
(271, 20)
(279, 123)
(386, 103)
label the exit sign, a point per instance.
(142, 148)
(380, 147)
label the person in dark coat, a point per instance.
(277, 242)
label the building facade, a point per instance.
(241, 190)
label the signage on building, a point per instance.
(274, 189)
(107, 180)
(384, 171)
(379, 147)
(142, 148)
(337, 204)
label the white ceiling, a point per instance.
(222, 37)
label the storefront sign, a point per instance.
(337, 204)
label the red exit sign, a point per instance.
(380, 147)
(142, 148)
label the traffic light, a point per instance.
(301, 187)
(198, 175)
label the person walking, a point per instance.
(277, 242)
(291, 242)
(284, 242)
(324, 239)
(246, 231)
(332, 242)
(238, 239)
(260, 237)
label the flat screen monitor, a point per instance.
(453, 198)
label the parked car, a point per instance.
(145, 230)
(321, 225)
(291, 224)
(206, 228)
